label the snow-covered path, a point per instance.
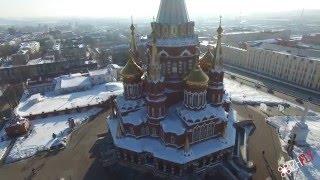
(40, 138)
(241, 93)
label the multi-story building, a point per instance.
(46, 70)
(311, 39)
(282, 65)
(174, 118)
(237, 38)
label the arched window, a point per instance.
(131, 130)
(211, 129)
(154, 132)
(203, 132)
(174, 67)
(195, 100)
(172, 140)
(143, 131)
(159, 111)
(196, 134)
(152, 111)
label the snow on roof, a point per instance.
(52, 102)
(36, 97)
(159, 150)
(65, 82)
(284, 124)
(125, 105)
(99, 72)
(138, 114)
(172, 123)
(136, 117)
(39, 61)
(194, 116)
(115, 66)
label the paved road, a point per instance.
(263, 139)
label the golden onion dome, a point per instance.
(131, 69)
(197, 77)
(206, 61)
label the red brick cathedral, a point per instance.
(175, 118)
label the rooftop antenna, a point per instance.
(301, 31)
(240, 19)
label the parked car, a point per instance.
(300, 101)
(258, 86)
(59, 144)
(270, 91)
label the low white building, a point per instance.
(108, 74)
(32, 46)
(72, 83)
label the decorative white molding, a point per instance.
(163, 53)
(186, 52)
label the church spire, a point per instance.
(172, 12)
(133, 43)
(154, 72)
(218, 50)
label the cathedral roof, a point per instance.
(131, 69)
(172, 12)
(197, 77)
(206, 61)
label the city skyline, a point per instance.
(125, 8)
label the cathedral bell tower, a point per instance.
(156, 99)
(216, 87)
(131, 73)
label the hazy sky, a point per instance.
(143, 8)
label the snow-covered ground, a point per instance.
(284, 125)
(51, 102)
(41, 139)
(244, 94)
(4, 143)
(241, 93)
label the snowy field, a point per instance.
(51, 102)
(284, 125)
(241, 93)
(4, 143)
(40, 138)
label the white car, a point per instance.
(59, 143)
